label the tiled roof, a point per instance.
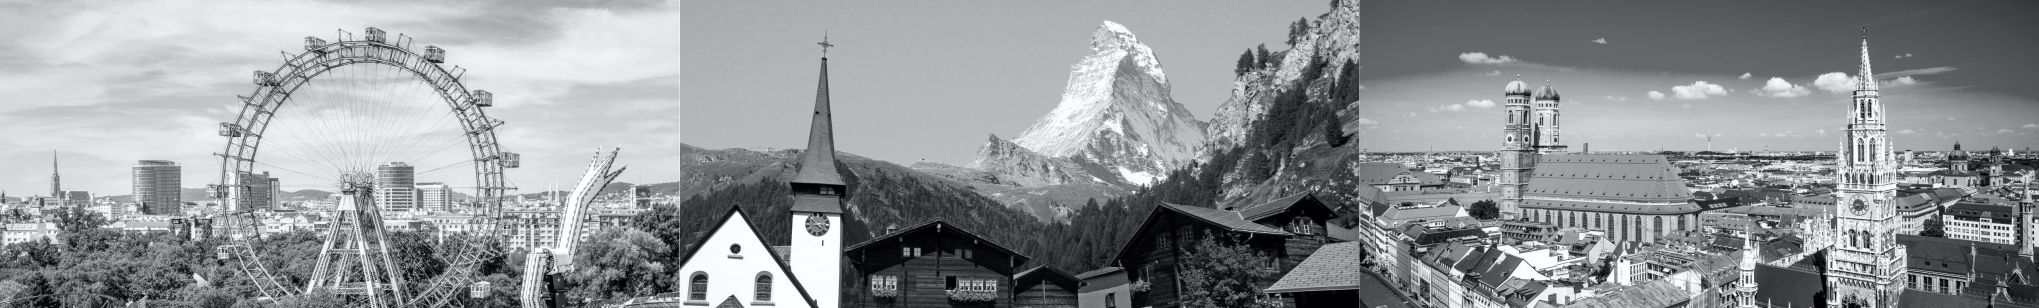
(1640, 178)
(1917, 298)
(1332, 267)
(1611, 207)
(1380, 173)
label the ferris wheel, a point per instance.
(372, 115)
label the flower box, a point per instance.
(1141, 286)
(971, 296)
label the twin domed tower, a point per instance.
(1530, 131)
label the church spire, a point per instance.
(56, 182)
(818, 174)
(1868, 81)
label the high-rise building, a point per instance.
(252, 191)
(275, 193)
(1865, 263)
(395, 187)
(158, 187)
(435, 196)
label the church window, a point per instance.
(764, 287)
(697, 287)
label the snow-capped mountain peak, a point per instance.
(1117, 112)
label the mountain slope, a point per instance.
(1326, 48)
(1117, 112)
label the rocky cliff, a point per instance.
(1332, 40)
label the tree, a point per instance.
(614, 263)
(1246, 63)
(1297, 30)
(1484, 210)
(1229, 274)
(1934, 228)
(1262, 57)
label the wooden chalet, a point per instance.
(934, 264)
(1287, 230)
(1046, 287)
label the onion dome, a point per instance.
(1546, 93)
(1516, 87)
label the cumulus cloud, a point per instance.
(1902, 56)
(1448, 108)
(1494, 73)
(1746, 76)
(1366, 121)
(1907, 132)
(2006, 131)
(1777, 87)
(2031, 126)
(1482, 103)
(1601, 41)
(1614, 98)
(1836, 82)
(1697, 90)
(1656, 95)
(1482, 58)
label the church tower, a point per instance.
(818, 192)
(56, 183)
(1745, 287)
(1518, 148)
(1547, 120)
(1958, 159)
(1865, 264)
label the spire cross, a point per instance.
(824, 45)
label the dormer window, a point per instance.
(828, 190)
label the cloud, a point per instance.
(1656, 95)
(1907, 132)
(1922, 71)
(1614, 98)
(1836, 82)
(1900, 81)
(1366, 121)
(1482, 58)
(2005, 131)
(1902, 56)
(1746, 76)
(1480, 103)
(2031, 126)
(1448, 108)
(1777, 87)
(1698, 90)
(1494, 73)
(1602, 41)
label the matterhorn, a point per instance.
(1115, 115)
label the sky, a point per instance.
(107, 83)
(924, 80)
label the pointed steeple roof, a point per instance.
(817, 164)
(1868, 79)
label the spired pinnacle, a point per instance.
(824, 45)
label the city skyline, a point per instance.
(107, 84)
(1950, 71)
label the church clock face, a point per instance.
(817, 224)
(1860, 208)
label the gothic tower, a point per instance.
(1547, 120)
(1745, 288)
(818, 191)
(56, 183)
(1518, 148)
(1865, 263)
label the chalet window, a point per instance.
(764, 288)
(964, 252)
(1111, 300)
(697, 289)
